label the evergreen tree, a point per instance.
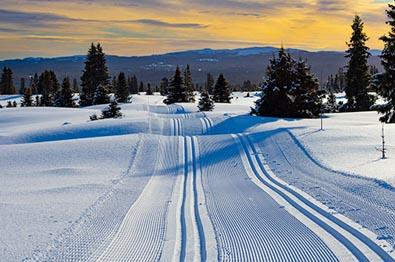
(280, 88)
(133, 85)
(306, 100)
(177, 92)
(47, 86)
(188, 84)
(149, 90)
(64, 97)
(6, 82)
(210, 83)
(221, 92)
(387, 89)
(37, 102)
(27, 97)
(34, 84)
(101, 95)
(112, 111)
(164, 85)
(121, 90)
(113, 85)
(141, 87)
(331, 105)
(75, 88)
(205, 102)
(22, 86)
(95, 73)
(357, 76)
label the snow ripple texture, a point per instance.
(259, 229)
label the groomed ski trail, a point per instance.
(362, 248)
(249, 225)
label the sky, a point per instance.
(49, 28)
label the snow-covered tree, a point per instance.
(205, 102)
(176, 91)
(290, 90)
(188, 84)
(222, 92)
(112, 111)
(101, 95)
(358, 75)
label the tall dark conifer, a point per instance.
(121, 90)
(48, 85)
(177, 92)
(64, 97)
(387, 88)
(6, 82)
(205, 102)
(209, 83)
(95, 73)
(133, 85)
(357, 76)
(164, 86)
(27, 97)
(22, 85)
(188, 84)
(222, 92)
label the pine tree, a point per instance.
(141, 87)
(177, 92)
(48, 86)
(133, 85)
(95, 73)
(22, 86)
(64, 97)
(101, 95)
(164, 85)
(221, 92)
(306, 100)
(205, 102)
(27, 100)
(112, 111)
(121, 90)
(6, 82)
(331, 105)
(210, 83)
(387, 89)
(34, 84)
(188, 84)
(357, 76)
(149, 90)
(75, 88)
(113, 85)
(280, 80)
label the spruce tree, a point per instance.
(6, 82)
(387, 89)
(357, 76)
(48, 86)
(22, 86)
(221, 92)
(188, 84)
(210, 83)
(306, 100)
(95, 73)
(177, 92)
(75, 88)
(64, 97)
(27, 100)
(133, 85)
(34, 84)
(149, 90)
(112, 111)
(164, 86)
(205, 102)
(141, 87)
(121, 90)
(331, 105)
(280, 80)
(101, 95)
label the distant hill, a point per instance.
(237, 64)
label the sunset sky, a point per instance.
(131, 27)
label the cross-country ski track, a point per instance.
(194, 192)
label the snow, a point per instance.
(169, 183)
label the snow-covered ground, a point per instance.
(168, 183)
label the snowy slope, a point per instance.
(168, 183)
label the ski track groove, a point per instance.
(264, 236)
(365, 240)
